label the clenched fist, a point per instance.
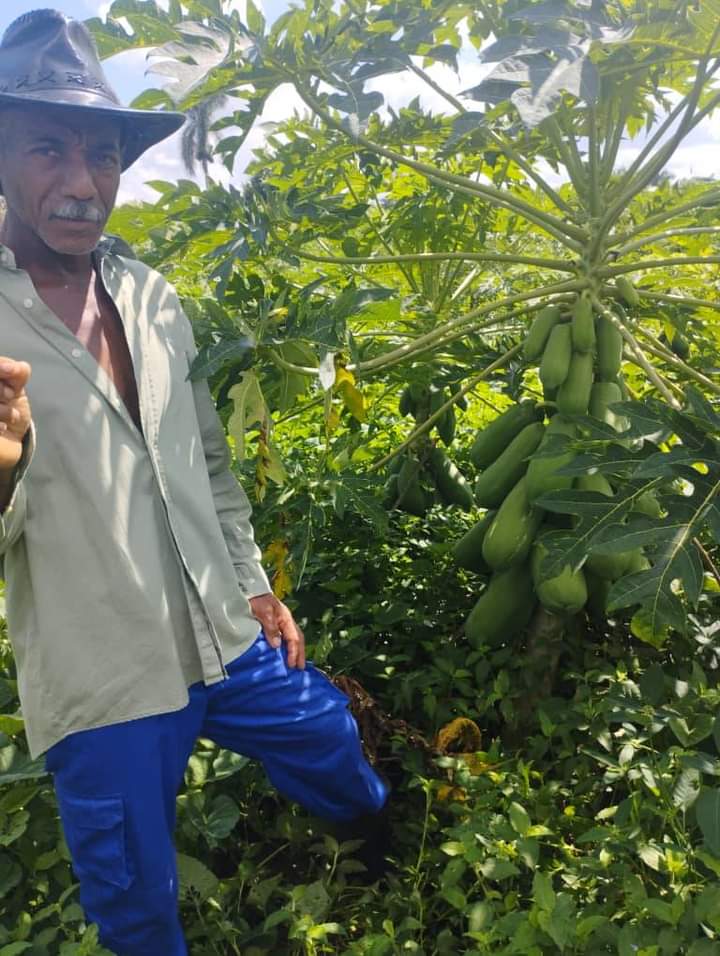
(14, 413)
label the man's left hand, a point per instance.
(279, 625)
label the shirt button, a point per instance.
(76, 353)
(28, 303)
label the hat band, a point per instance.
(47, 80)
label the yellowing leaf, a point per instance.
(249, 409)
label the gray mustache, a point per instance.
(78, 210)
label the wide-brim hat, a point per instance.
(47, 58)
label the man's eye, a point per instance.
(107, 160)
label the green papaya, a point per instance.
(628, 292)
(583, 323)
(452, 485)
(495, 482)
(468, 550)
(542, 471)
(511, 534)
(609, 566)
(492, 440)
(396, 464)
(446, 426)
(409, 473)
(647, 504)
(555, 364)
(680, 346)
(609, 350)
(406, 405)
(636, 562)
(566, 593)
(595, 482)
(573, 396)
(602, 395)
(503, 609)
(540, 330)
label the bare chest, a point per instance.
(91, 315)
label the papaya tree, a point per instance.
(498, 247)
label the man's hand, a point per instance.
(279, 625)
(14, 413)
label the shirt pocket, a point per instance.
(95, 834)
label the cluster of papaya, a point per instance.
(520, 455)
(424, 474)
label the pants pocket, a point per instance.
(95, 834)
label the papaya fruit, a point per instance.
(540, 330)
(495, 482)
(406, 406)
(452, 485)
(609, 350)
(468, 550)
(513, 529)
(628, 292)
(555, 364)
(647, 504)
(492, 440)
(542, 471)
(503, 609)
(573, 396)
(595, 482)
(602, 395)
(680, 346)
(446, 426)
(583, 323)
(566, 593)
(636, 562)
(609, 566)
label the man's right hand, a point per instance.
(14, 414)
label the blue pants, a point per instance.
(116, 786)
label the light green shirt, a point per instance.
(128, 557)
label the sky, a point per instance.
(699, 156)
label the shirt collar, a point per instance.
(108, 245)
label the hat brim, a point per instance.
(143, 128)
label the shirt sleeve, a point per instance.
(12, 518)
(231, 503)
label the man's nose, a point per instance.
(78, 180)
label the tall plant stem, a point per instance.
(646, 264)
(430, 338)
(637, 353)
(409, 277)
(612, 146)
(650, 145)
(709, 198)
(278, 360)
(667, 234)
(655, 347)
(425, 426)
(509, 151)
(565, 233)
(558, 265)
(593, 162)
(658, 160)
(680, 300)
(569, 158)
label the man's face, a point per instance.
(60, 172)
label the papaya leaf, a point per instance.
(211, 358)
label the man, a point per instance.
(134, 589)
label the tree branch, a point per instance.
(667, 234)
(569, 235)
(399, 354)
(559, 265)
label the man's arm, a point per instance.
(234, 512)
